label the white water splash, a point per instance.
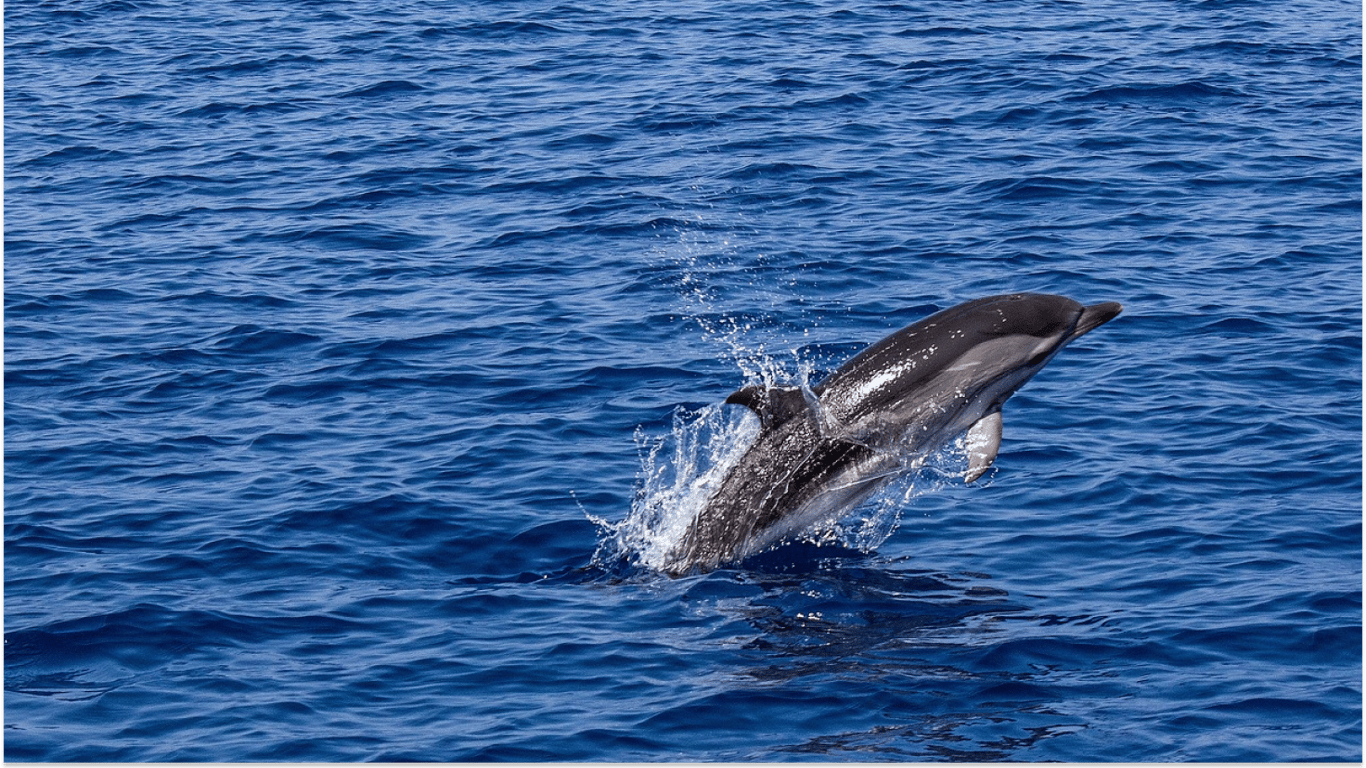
(681, 471)
(679, 474)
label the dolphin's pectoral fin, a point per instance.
(983, 441)
(774, 405)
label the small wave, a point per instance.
(502, 30)
(385, 88)
(362, 236)
(1035, 188)
(1158, 93)
(253, 339)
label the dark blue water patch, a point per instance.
(1025, 190)
(356, 236)
(1172, 95)
(209, 297)
(145, 636)
(332, 335)
(503, 30)
(557, 187)
(941, 32)
(250, 65)
(175, 183)
(252, 340)
(383, 89)
(77, 154)
(219, 110)
(768, 171)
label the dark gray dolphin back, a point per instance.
(920, 351)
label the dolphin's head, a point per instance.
(1053, 320)
(1018, 330)
(981, 350)
(1010, 338)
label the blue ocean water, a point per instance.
(341, 340)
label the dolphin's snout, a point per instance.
(1095, 316)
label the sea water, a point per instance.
(344, 341)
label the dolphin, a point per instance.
(822, 450)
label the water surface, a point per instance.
(330, 330)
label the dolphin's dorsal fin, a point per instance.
(774, 405)
(983, 441)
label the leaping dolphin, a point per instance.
(822, 450)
